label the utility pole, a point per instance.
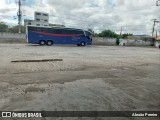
(121, 31)
(158, 4)
(19, 14)
(154, 23)
(156, 33)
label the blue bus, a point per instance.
(57, 35)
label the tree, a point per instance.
(108, 33)
(111, 34)
(125, 35)
(3, 27)
(15, 29)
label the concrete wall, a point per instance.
(125, 42)
(21, 38)
(12, 37)
(157, 44)
(104, 41)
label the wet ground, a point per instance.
(91, 78)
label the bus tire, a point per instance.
(42, 42)
(82, 44)
(49, 42)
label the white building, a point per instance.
(40, 19)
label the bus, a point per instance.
(57, 35)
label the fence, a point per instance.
(12, 38)
(21, 38)
(157, 44)
(104, 41)
(126, 42)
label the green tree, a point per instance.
(15, 29)
(125, 35)
(111, 34)
(108, 33)
(3, 27)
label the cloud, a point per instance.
(96, 14)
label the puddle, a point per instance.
(33, 89)
(43, 60)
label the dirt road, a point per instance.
(98, 78)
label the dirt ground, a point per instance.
(91, 78)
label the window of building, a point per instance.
(45, 14)
(37, 19)
(38, 24)
(46, 20)
(38, 13)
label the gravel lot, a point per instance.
(98, 78)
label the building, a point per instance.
(158, 38)
(134, 37)
(40, 19)
(140, 37)
(28, 22)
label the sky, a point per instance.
(134, 16)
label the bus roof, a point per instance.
(56, 27)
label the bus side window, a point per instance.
(57, 31)
(52, 31)
(32, 28)
(78, 32)
(70, 32)
(39, 29)
(46, 30)
(64, 31)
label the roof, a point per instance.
(56, 27)
(158, 38)
(141, 35)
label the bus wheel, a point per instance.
(82, 44)
(49, 43)
(42, 42)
